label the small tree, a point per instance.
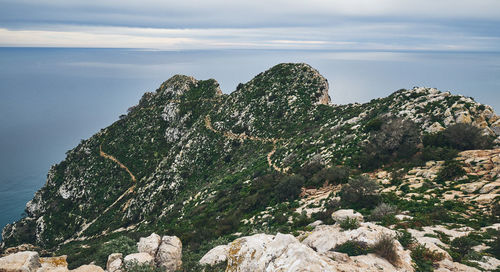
(396, 139)
(361, 192)
(289, 187)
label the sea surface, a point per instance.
(52, 98)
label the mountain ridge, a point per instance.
(184, 147)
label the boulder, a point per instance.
(141, 258)
(149, 244)
(88, 268)
(341, 215)
(26, 261)
(326, 237)
(283, 252)
(215, 256)
(114, 263)
(53, 264)
(169, 254)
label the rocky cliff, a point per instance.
(207, 167)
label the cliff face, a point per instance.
(182, 160)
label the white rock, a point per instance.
(141, 258)
(25, 261)
(436, 127)
(149, 244)
(169, 255)
(315, 223)
(114, 262)
(341, 215)
(88, 268)
(283, 252)
(326, 238)
(216, 255)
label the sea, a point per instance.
(51, 98)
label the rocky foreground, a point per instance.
(316, 250)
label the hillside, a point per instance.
(270, 157)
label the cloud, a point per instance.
(293, 24)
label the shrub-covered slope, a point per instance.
(196, 163)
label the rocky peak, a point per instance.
(291, 81)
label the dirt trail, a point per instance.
(107, 156)
(243, 136)
(127, 192)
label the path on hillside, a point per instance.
(243, 136)
(110, 157)
(128, 191)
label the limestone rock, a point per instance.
(53, 264)
(88, 268)
(169, 255)
(216, 255)
(326, 238)
(347, 213)
(149, 244)
(141, 258)
(25, 261)
(114, 262)
(450, 266)
(436, 127)
(283, 252)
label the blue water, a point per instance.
(51, 98)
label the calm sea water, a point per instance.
(51, 98)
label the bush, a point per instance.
(424, 258)
(353, 248)
(450, 171)
(330, 175)
(459, 136)
(461, 246)
(386, 249)
(382, 211)
(405, 239)
(361, 192)
(433, 153)
(122, 244)
(397, 139)
(136, 267)
(289, 187)
(349, 223)
(495, 245)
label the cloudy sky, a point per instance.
(384, 25)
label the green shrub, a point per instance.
(136, 267)
(397, 139)
(405, 239)
(330, 175)
(461, 246)
(349, 223)
(122, 244)
(424, 258)
(459, 136)
(360, 192)
(494, 245)
(373, 125)
(450, 171)
(433, 153)
(353, 248)
(386, 249)
(289, 187)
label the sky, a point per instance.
(70, 67)
(375, 25)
